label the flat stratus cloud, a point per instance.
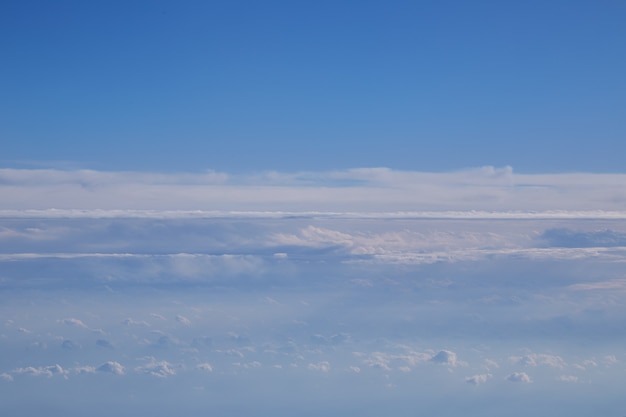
(357, 190)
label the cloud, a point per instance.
(74, 322)
(478, 379)
(323, 366)
(445, 357)
(47, 371)
(85, 370)
(6, 377)
(568, 378)
(612, 285)
(534, 359)
(160, 369)
(205, 367)
(519, 377)
(131, 322)
(386, 361)
(111, 367)
(352, 190)
(183, 320)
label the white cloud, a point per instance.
(445, 357)
(368, 189)
(74, 322)
(519, 377)
(161, 369)
(323, 366)
(534, 359)
(410, 358)
(205, 367)
(568, 378)
(131, 322)
(111, 367)
(183, 320)
(6, 377)
(491, 364)
(478, 379)
(85, 370)
(47, 371)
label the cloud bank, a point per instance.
(353, 190)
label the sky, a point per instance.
(312, 208)
(248, 86)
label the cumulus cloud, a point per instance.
(478, 379)
(6, 377)
(323, 366)
(386, 361)
(111, 367)
(205, 367)
(568, 378)
(534, 359)
(85, 370)
(47, 371)
(74, 322)
(518, 377)
(445, 357)
(160, 369)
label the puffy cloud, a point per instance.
(74, 322)
(6, 377)
(85, 370)
(47, 371)
(478, 379)
(385, 361)
(491, 364)
(323, 366)
(519, 377)
(535, 359)
(160, 369)
(445, 357)
(111, 367)
(248, 365)
(183, 320)
(568, 378)
(205, 367)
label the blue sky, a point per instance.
(312, 208)
(251, 86)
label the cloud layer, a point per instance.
(354, 190)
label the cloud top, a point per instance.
(353, 190)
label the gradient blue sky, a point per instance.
(244, 86)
